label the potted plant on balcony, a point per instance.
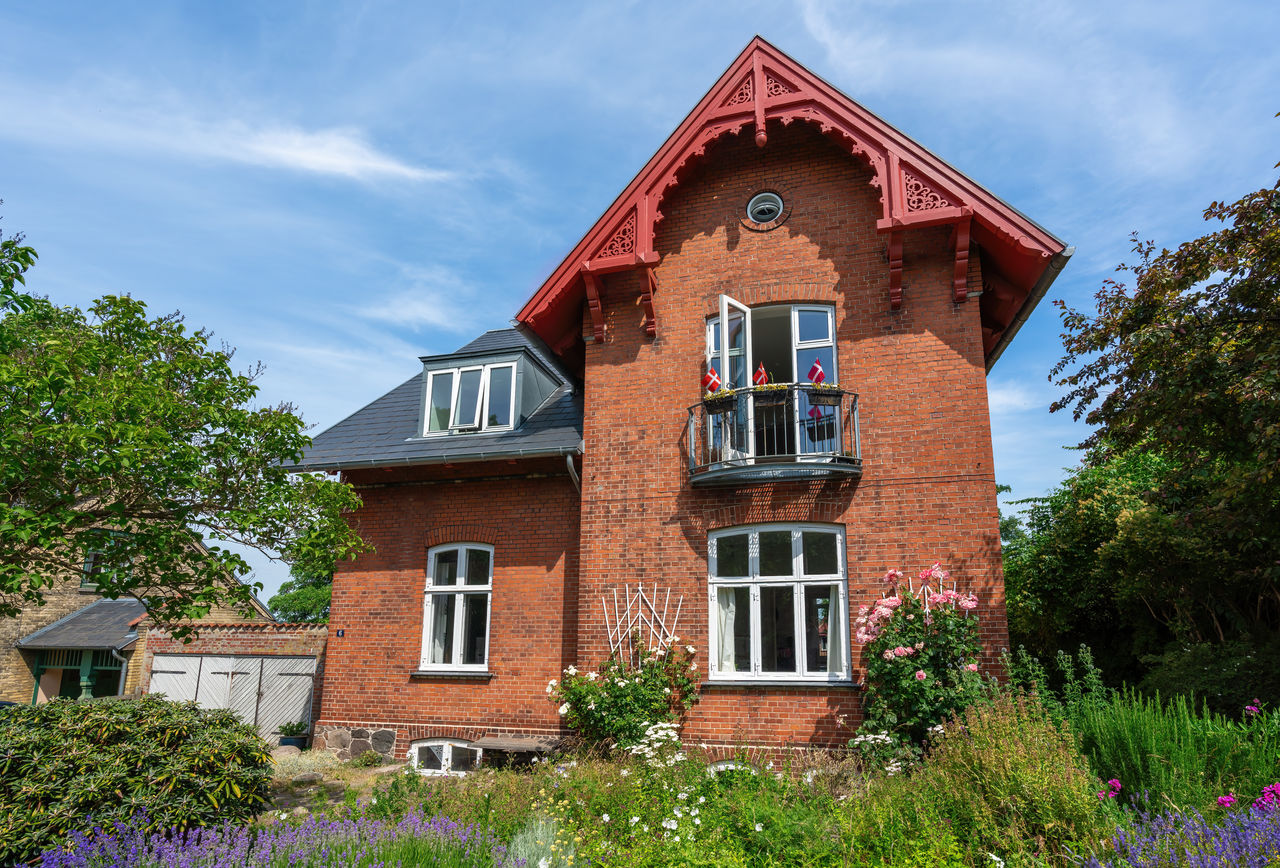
(825, 394)
(294, 735)
(720, 401)
(771, 394)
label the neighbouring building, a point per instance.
(520, 492)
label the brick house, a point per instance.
(783, 239)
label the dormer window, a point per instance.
(473, 398)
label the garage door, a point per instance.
(263, 691)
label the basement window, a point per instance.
(442, 756)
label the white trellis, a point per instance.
(638, 616)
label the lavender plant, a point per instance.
(1186, 838)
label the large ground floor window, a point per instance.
(778, 603)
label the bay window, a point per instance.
(455, 613)
(778, 603)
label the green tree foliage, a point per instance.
(68, 766)
(304, 599)
(1185, 365)
(131, 436)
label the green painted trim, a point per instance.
(86, 674)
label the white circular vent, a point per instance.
(764, 208)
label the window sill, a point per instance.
(451, 674)
(759, 684)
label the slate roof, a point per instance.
(102, 624)
(386, 434)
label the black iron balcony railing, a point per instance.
(782, 431)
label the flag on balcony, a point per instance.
(816, 374)
(760, 377)
(815, 413)
(711, 381)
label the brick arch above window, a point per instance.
(461, 533)
(778, 293)
(800, 510)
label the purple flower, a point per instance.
(1227, 801)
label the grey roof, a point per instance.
(103, 624)
(386, 433)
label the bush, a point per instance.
(1226, 677)
(68, 765)
(922, 655)
(1011, 781)
(617, 703)
(1180, 756)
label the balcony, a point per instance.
(776, 432)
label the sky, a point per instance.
(339, 188)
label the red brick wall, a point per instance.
(927, 491)
(529, 514)
(249, 639)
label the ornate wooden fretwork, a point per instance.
(920, 196)
(623, 240)
(594, 307)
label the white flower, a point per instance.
(670, 824)
(769, 765)
(693, 813)
(759, 827)
(690, 649)
(996, 859)
(572, 670)
(676, 839)
(702, 800)
(625, 772)
(551, 685)
(604, 818)
(697, 821)
(543, 863)
(591, 676)
(564, 709)
(591, 706)
(694, 666)
(634, 820)
(682, 796)
(374, 800)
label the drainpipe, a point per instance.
(573, 472)
(124, 670)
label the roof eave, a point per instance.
(1047, 277)
(451, 458)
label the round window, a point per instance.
(764, 208)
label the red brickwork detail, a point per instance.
(928, 488)
(528, 512)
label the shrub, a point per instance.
(921, 653)
(1171, 840)
(618, 702)
(1226, 677)
(1011, 781)
(69, 765)
(1182, 757)
(367, 760)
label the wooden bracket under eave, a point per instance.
(646, 301)
(894, 250)
(593, 305)
(960, 275)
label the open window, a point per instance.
(480, 397)
(773, 358)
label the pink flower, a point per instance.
(911, 617)
(888, 655)
(969, 602)
(889, 603)
(892, 577)
(972, 667)
(1251, 710)
(1112, 790)
(1227, 801)
(920, 676)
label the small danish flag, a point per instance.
(760, 377)
(711, 381)
(816, 374)
(815, 413)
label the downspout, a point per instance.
(573, 472)
(124, 670)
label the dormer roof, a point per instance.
(917, 189)
(389, 431)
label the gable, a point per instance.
(916, 190)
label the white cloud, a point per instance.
(1007, 398)
(124, 119)
(428, 297)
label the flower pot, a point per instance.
(720, 403)
(825, 397)
(298, 741)
(770, 397)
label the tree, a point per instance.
(304, 599)
(1186, 366)
(131, 437)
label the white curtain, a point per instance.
(439, 627)
(727, 599)
(835, 632)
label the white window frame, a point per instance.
(460, 591)
(481, 421)
(797, 581)
(449, 744)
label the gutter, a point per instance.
(451, 458)
(1046, 280)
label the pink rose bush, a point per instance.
(921, 643)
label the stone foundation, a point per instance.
(348, 743)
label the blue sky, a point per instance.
(338, 188)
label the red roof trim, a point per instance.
(917, 189)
